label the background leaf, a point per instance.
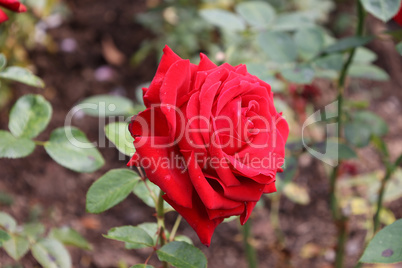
(182, 255)
(69, 236)
(110, 189)
(368, 71)
(16, 247)
(357, 133)
(50, 253)
(33, 230)
(382, 9)
(300, 74)
(256, 13)
(22, 75)
(278, 46)
(12, 147)
(7, 222)
(120, 136)
(309, 42)
(4, 237)
(386, 246)
(107, 105)
(3, 61)
(72, 155)
(348, 43)
(399, 48)
(29, 116)
(223, 19)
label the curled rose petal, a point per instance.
(210, 138)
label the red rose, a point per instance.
(12, 5)
(210, 138)
(398, 16)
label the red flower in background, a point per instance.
(13, 5)
(219, 129)
(398, 16)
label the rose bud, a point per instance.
(210, 138)
(12, 5)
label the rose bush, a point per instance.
(210, 138)
(12, 5)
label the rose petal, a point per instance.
(209, 195)
(197, 217)
(3, 16)
(151, 95)
(176, 83)
(162, 168)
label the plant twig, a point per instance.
(340, 220)
(160, 215)
(250, 250)
(175, 227)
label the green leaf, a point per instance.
(386, 246)
(110, 189)
(120, 136)
(50, 253)
(12, 147)
(22, 75)
(357, 133)
(364, 55)
(16, 247)
(4, 237)
(7, 222)
(334, 150)
(399, 48)
(223, 19)
(330, 62)
(291, 22)
(3, 61)
(106, 105)
(151, 229)
(348, 43)
(368, 71)
(29, 116)
(69, 147)
(69, 236)
(289, 171)
(130, 234)
(376, 124)
(142, 266)
(278, 46)
(256, 13)
(309, 42)
(187, 239)
(182, 255)
(300, 74)
(382, 9)
(33, 230)
(141, 191)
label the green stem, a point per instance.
(40, 143)
(381, 198)
(175, 227)
(275, 221)
(250, 250)
(340, 220)
(160, 216)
